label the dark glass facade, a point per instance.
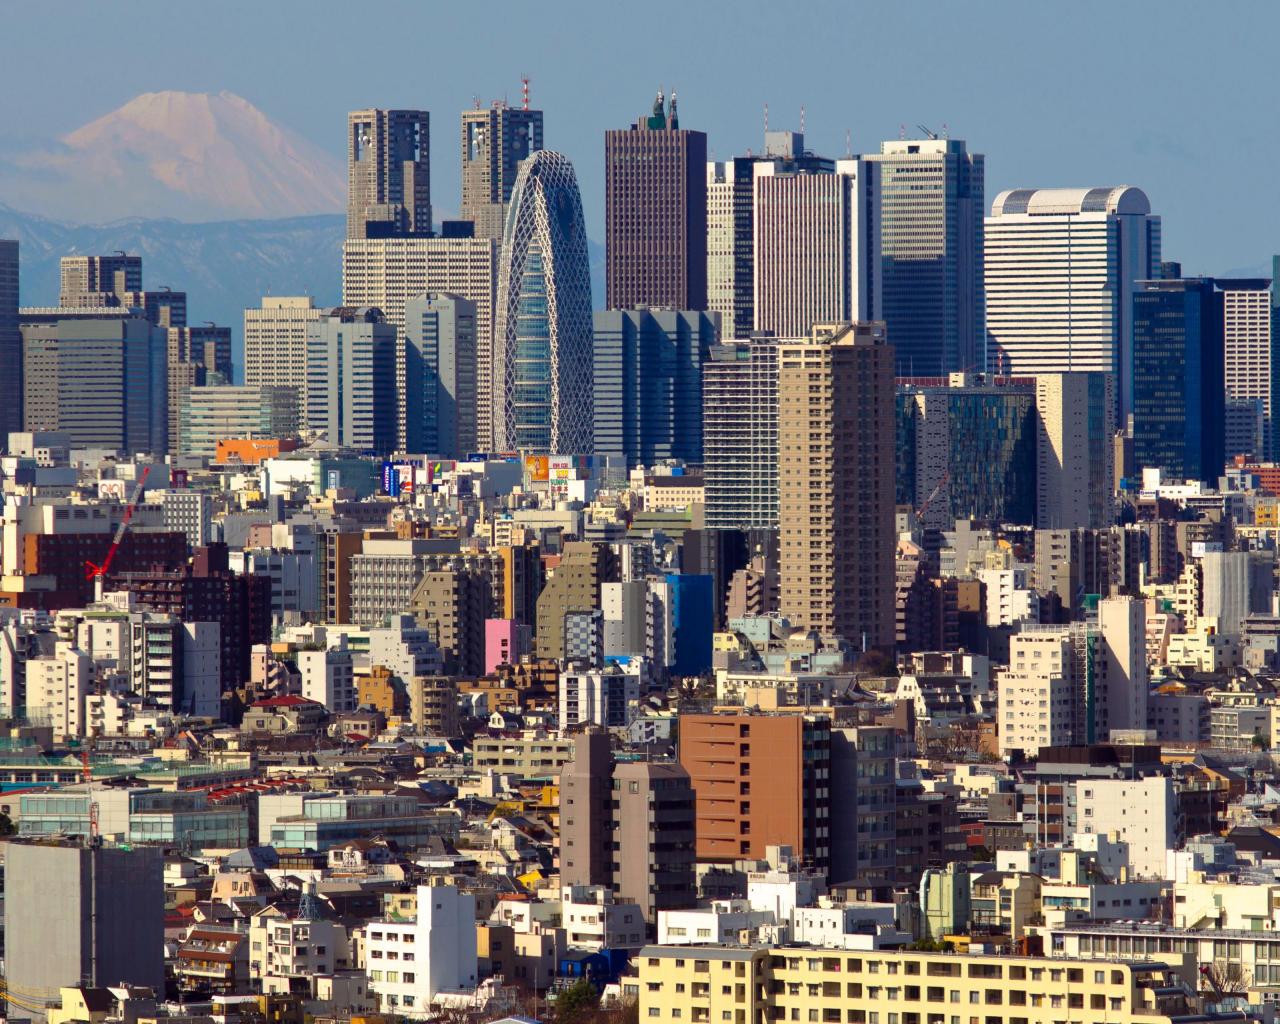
(1178, 392)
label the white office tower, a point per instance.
(275, 341)
(1249, 367)
(817, 247)
(1075, 455)
(1061, 267)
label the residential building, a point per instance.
(287, 950)
(760, 781)
(740, 435)
(835, 483)
(388, 173)
(328, 678)
(816, 255)
(1061, 269)
(351, 395)
(494, 141)
(275, 340)
(542, 356)
(1251, 363)
(1178, 386)
(648, 386)
(605, 697)
(1075, 457)
(656, 213)
(438, 403)
(574, 587)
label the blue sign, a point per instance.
(390, 479)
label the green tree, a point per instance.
(577, 1003)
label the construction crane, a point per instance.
(91, 570)
(924, 507)
(86, 775)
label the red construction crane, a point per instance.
(90, 569)
(946, 476)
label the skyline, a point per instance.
(1053, 130)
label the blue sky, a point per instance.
(1171, 96)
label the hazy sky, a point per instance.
(1171, 96)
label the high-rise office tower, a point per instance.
(388, 173)
(835, 482)
(1075, 456)
(387, 273)
(542, 350)
(99, 280)
(10, 343)
(213, 413)
(932, 202)
(967, 450)
(197, 356)
(648, 383)
(740, 435)
(656, 213)
(731, 220)
(1062, 265)
(102, 380)
(351, 380)
(816, 247)
(1178, 395)
(438, 403)
(1251, 364)
(494, 141)
(275, 340)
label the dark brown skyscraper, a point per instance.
(10, 343)
(388, 173)
(656, 213)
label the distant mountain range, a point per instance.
(223, 266)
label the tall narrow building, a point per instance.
(388, 173)
(1178, 394)
(275, 340)
(1062, 266)
(656, 213)
(438, 403)
(494, 141)
(10, 343)
(1251, 364)
(351, 380)
(98, 280)
(932, 201)
(731, 224)
(1075, 456)
(740, 435)
(542, 356)
(197, 356)
(816, 247)
(835, 483)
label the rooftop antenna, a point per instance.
(524, 92)
(848, 143)
(902, 132)
(946, 132)
(801, 118)
(766, 118)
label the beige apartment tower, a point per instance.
(1075, 449)
(835, 482)
(275, 341)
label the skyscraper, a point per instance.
(835, 482)
(196, 356)
(731, 225)
(932, 202)
(648, 383)
(1075, 457)
(438, 406)
(10, 343)
(1178, 392)
(494, 141)
(740, 435)
(275, 340)
(656, 213)
(542, 354)
(1062, 265)
(387, 273)
(99, 280)
(1251, 364)
(388, 173)
(816, 247)
(351, 380)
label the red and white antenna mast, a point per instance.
(524, 92)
